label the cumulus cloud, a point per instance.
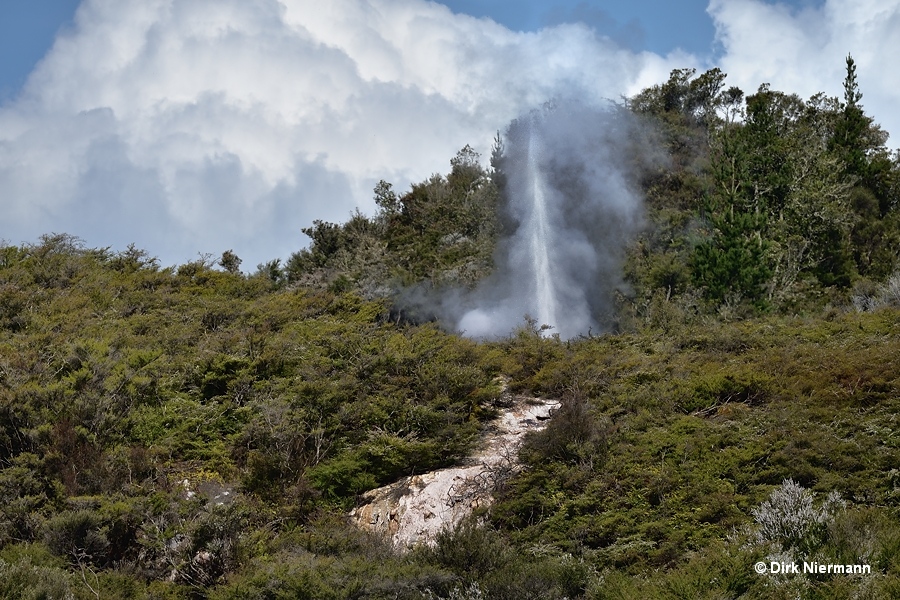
(192, 126)
(802, 50)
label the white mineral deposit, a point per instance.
(415, 509)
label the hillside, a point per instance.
(199, 432)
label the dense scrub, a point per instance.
(192, 431)
(132, 395)
(440, 233)
(672, 439)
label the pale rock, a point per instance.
(415, 509)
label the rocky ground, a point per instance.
(415, 509)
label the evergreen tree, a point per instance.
(765, 139)
(860, 145)
(849, 133)
(732, 263)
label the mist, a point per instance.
(571, 207)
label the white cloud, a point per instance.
(203, 125)
(803, 50)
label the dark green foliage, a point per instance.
(76, 536)
(733, 263)
(230, 262)
(683, 97)
(849, 138)
(30, 573)
(27, 495)
(769, 168)
(798, 200)
(575, 436)
(697, 427)
(484, 562)
(443, 224)
(472, 551)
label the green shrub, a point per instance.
(23, 580)
(711, 391)
(470, 550)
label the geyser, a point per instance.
(570, 209)
(539, 240)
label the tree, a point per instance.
(849, 134)
(497, 156)
(733, 262)
(693, 100)
(466, 173)
(271, 270)
(326, 238)
(747, 177)
(386, 198)
(860, 145)
(769, 120)
(230, 262)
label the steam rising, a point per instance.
(570, 211)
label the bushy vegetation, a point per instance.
(772, 203)
(685, 433)
(133, 397)
(195, 432)
(441, 232)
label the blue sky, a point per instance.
(27, 30)
(189, 126)
(654, 25)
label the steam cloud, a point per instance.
(571, 209)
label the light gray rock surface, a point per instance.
(414, 509)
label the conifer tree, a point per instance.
(849, 134)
